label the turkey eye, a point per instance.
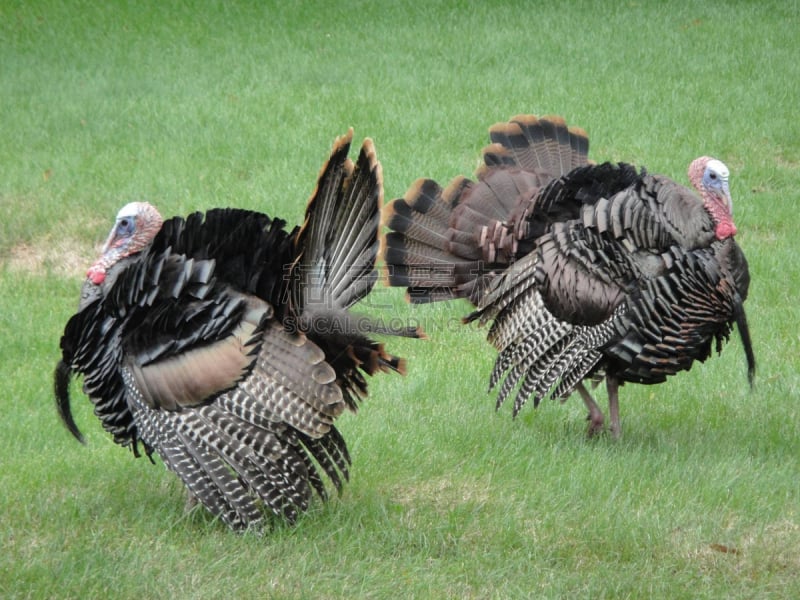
(124, 226)
(712, 175)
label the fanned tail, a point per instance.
(536, 144)
(338, 242)
(337, 247)
(451, 242)
(424, 252)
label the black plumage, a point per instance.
(584, 270)
(224, 343)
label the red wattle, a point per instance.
(96, 274)
(725, 229)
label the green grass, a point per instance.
(235, 103)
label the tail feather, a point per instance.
(497, 156)
(338, 242)
(337, 247)
(435, 248)
(418, 250)
(557, 140)
(528, 140)
(544, 145)
(356, 242)
(422, 214)
(579, 143)
(408, 252)
(478, 227)
(350, 292)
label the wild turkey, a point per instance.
(223, 343)
(587, 271)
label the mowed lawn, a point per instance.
(237, 104)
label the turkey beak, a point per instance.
(109, 240)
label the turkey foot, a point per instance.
(595, 416)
